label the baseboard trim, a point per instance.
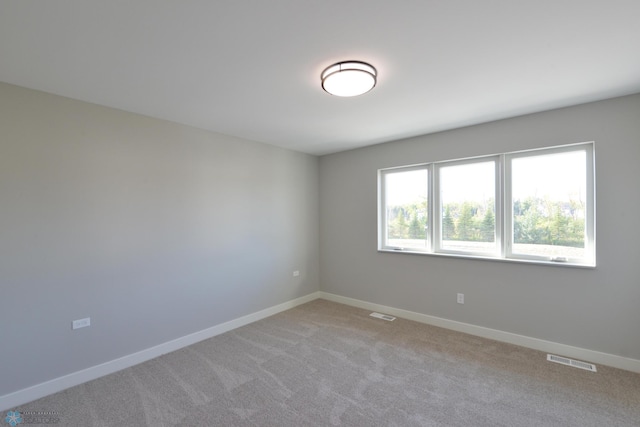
(592, 356)
(37, 391)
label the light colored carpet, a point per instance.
(324, 364)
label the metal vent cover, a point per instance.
(383, 316)
(570, 362)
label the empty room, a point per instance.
(297, 213)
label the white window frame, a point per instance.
(437, 230)
(382, 206)
(503, 208)
(588, 149)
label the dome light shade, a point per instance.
(349, 78)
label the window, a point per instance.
(467, 207)
(533, 206)
(407, 208)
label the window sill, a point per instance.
(489, 258)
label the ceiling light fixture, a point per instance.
(349, 78)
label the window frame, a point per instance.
(437, 246)
(382, 206)
(504, 232)
(589, 258)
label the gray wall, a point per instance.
(153, 229)
(596, 309)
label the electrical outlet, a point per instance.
(296, 273)
(460, 298)
(81, 323)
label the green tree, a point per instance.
(416, 229)
(448, 227)
(546, 222)
(488, 227)
(399, 228)
(527, 225)
(559, 227)
(465, 222)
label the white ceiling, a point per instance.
(251, 68)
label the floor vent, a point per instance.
(570, 362)
(383, 316)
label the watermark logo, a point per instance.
(13, 418)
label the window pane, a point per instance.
(467, 195)
(549, 205)
(406, 207)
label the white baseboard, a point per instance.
(37, 391)
(592, 356)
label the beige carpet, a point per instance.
(324, 364)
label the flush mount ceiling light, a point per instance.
(349, 78)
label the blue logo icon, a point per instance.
(13, 418)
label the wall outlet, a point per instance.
(296, 273)
(460, 298)
(81, 323)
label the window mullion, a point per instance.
(436, 209)
(431, 209)
(506, 208)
